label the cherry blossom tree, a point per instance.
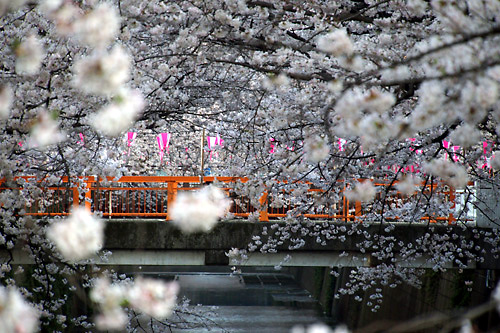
(404, 92)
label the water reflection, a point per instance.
(250, 302)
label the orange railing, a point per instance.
(153, 196)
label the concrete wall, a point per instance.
(439, 293)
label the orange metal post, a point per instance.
(88, 197)
(76, 197)
(452, 193)
(263, 214)
(357, 209)
(171, 195)
(345, 207)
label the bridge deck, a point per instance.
(144, 242)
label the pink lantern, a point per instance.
(446, 144)
(342, 142)
(163, 140)
(130, 139)
(214, 141)
(487, 149)
(272, 146)
(455, 149)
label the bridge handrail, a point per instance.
(92, 188)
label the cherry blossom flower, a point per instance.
(113, 320)
(316, 149)
(155, 298)
(408, 185)
(465, 136)
(6, 97)
(495, 160)
(200, 210)
(363, 191)
(79, 236)
(336, 43)
(29, 55)
(45, 132)
(466, 327)
(496, 296)
(451, 173)
(49, 6)
(102, 73)
(16, 315)
(417, 7)
(64, 14)
(109, 298)
(99, 27)
(319, 328)
(378, 101)
(7, 5)
(118, 116)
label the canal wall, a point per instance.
(441, 293)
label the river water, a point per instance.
(267, 302)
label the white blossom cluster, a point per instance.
(29, 56)
(362, 191)
(344, 93)
(155, 298)
(79, 236)
(319, 328)
(200, 210)
(408, 185)
(316, 149)
(451, 173)
(16, 315)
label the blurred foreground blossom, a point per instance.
(363, 191)
(408, 185)
(109, 297)
(199, 211)
(451, 173)
(102, 73)
(495, 160)
(153, 297)
(100, 26)
(496, 296)
(29, 55)
(336, 43)
(7, 5)
(16, 315)
(118, 116)
(319, 328)
(6, 98)
(466, 327)
(79, 236)
(316, 149)
(45, 132)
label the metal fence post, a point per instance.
(263, 214)
(171, 195)
(76, 197)
(88, 196)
